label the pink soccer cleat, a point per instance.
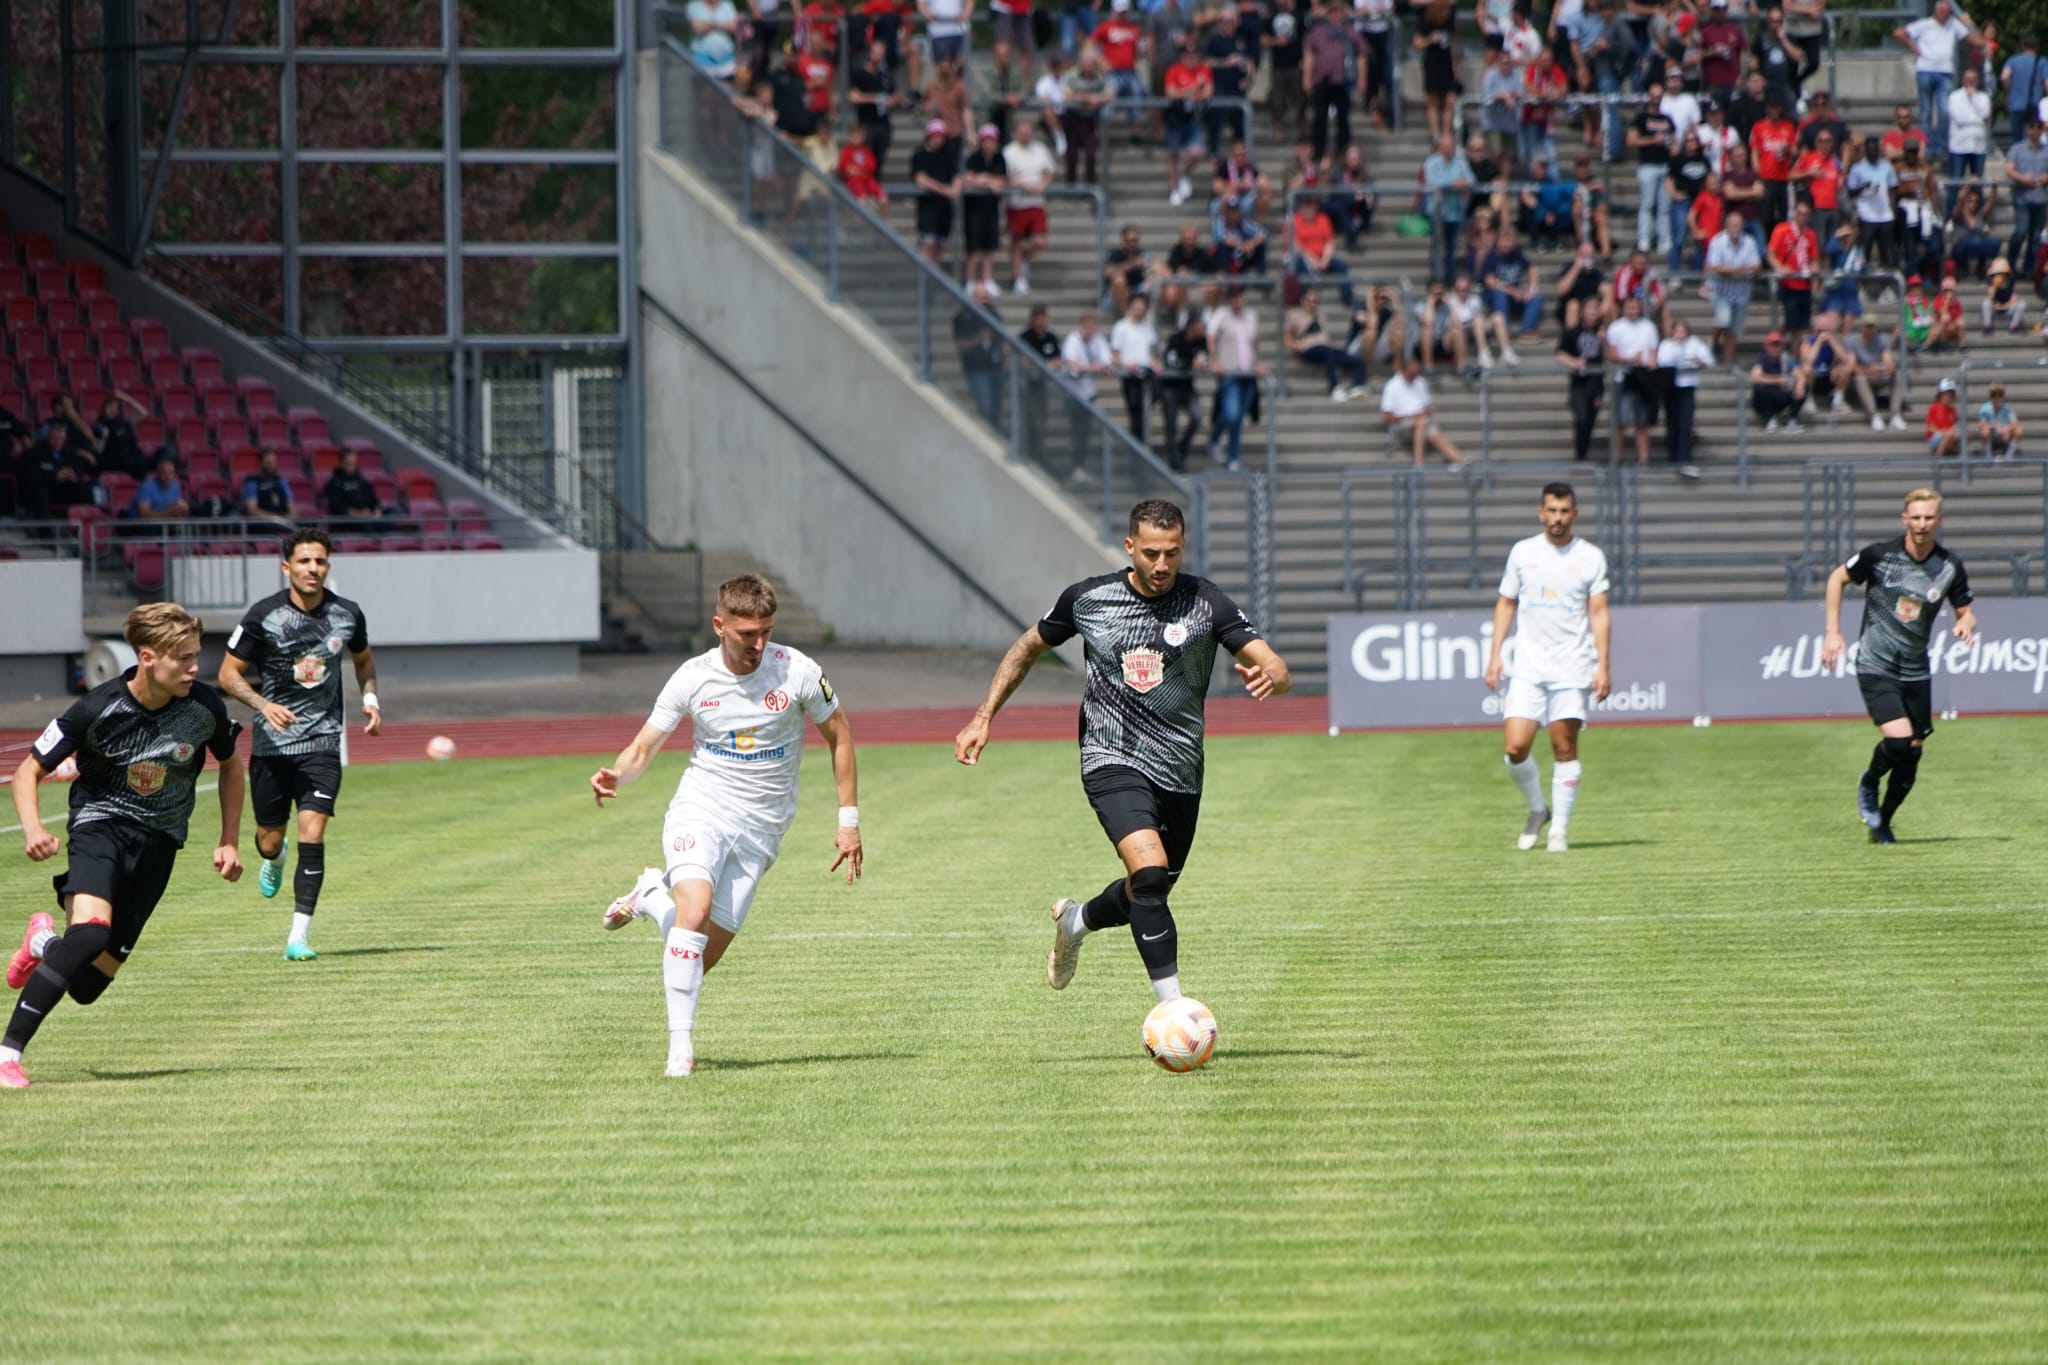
(24, 962)
(628, 908)
(12, 1077)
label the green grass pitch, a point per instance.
(1724, 1083)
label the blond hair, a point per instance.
(748, 595)
(1922, 495)
(160, 627)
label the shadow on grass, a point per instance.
(158, 1073)
(818, 1059)
(1224, 1053)
(1961, 839)
(387, 949)
(1612, 843)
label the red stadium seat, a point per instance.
(123, 372)
(189, 433)
(417, 484)
(195, 357)
(480, 542)
(95, 529)
(149, 433)
(396, 545)
(82, 374)
(11, 398)
(39, 374)
(204, 486)
(257, 395)
(146, 569)
(309, 426)
(174, 401)
(229, 433)
(50, 282)
(102, 313)
(303, 498)
(467, 515)
(244, 462)
(85, 275)
(30, 343)
(429, 513)
(91, 398)
(322, 461)
(13, 282)
(22, 313)
(73, 343)
(37, 246)
(113, 341)
(120, 489)
(433, 544)
(387, 491)
(355, 545)
(63, 313)
(166, 369)
(272, 430)
(218, 399)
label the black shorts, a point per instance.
(984, 228)
(934, 218)
(278, 781)
(1888, 699)
(124, 865)
(1127, 801)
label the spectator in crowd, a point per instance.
(1817, 179)
(1773, 148)
(1778, 55)
(1409, 414)
(714, 31)
(1795, 256)
(1969, 131)
(975, 335)
(1134, 346)
(1315, 248)
(1243, 181)
(1121, 40)
(1685, 180)
(1590, 210)
(1846, 263)
(161, 494)
(1084, 356)
(1932, 41)
(1305, 337)
(1916, 322)
(1806, 25)
(1546, 215)
(1332, 53)
(945, 99)
(1974, 245)
(1582, 280)
(1679, 105)
(1489, 180)
(1127, 272)
(1050, 95)
(1441, 334)
(1086, 94)
(1284, 43)
(1512, 292)
(1373, 20)
(1500, 101)
(347, 493)
(1872, 184)
(1447, 176)
(1013, 30)
(857, 168)
(871, 90)
(1749, 107)
(1480, 238)
(2026, 165)
(1777, 386)
(1040, 339)
(1434, 38)
(817, 66)
(1240, 242)
(1188, 88)
(2002, 297)
(1184, 354)
(1007, 84)
(1379, 329)
(1944, 432)
(1582, 350)
(937, 177)
(1998, 426)
(1231, 55)
(265, 493)
(1721, 43)
(1949, 331)
(1544, 87)
(1732, 267)
(2025, 81)
(1519, 39)
(1649, 135)
(1822, 118)
(1682, 355)
(1189, 257)
(1717, 136)
(1469, 315)
(1639, 280)
(113, 438)
(945, 26)
(1351, 200)
(1168, 25)
(1877, 375)
(1632, 352)
(1703, 222)
(1234, 356)
(1742, 191)
(1028, 164)
(55, 472)
(1919, 221)
(1827, 365)
(982, 182)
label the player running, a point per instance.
(1558, 582)
(745, 702)
(1150, 635)
(296, 639)
(1904, 580)
(140, 742)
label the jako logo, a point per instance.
(1414, 652)
(707, 703)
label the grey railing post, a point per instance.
(924, 327)
(832, 247)
(1962, 422)
(1016, 373)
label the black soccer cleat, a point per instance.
(1866, 802)
(1882, 834)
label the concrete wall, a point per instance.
(41, 605)
(726, 470)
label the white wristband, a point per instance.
(370, 700)
(849, 817)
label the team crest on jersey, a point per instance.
(334, 644)
(1144, 669)
(310, 671)
(684, 843)
(1175, 634)
(183, 753)
(777, 700)
(1907, 609)
(146, 779)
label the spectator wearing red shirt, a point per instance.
(1703, 221)
(1314, 252)
(882, 21)
(1121, 39)
(1944, 424)
(1721, 42)
(1773, 147)
(1817, 175)
(1902, 131)
(1795, 255)
(819, 73)
(1188, 85)
(857, 167)
(821, 22)
(1637, 280)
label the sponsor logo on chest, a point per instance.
(1144, 669)
(147, 779)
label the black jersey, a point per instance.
(1901, 597)
(298, 658)
(135, 764)
(1148, 665)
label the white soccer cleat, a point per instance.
(1557, 843)
(1532, 830)
(680, 1066)
(1066, 944)
(627, 908)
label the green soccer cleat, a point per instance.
(299, 952)
(271, 875)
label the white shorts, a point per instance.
(697, 847)
(1544, 703)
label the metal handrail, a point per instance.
(1096, 197)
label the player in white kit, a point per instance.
(745, 702)
(1558, 583)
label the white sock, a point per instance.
(9, 1054)
(302, 924)
(1564, 790)
(39, 943)
(1077, 920)
(658, 905)
(1528, 779)
(682, 972)
(1166, 987)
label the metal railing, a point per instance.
(1092, 195)
(1835, 521)
(1043, 417)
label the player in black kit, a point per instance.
(1150, 635)
(296, 639)
(1905, 581)
(140, 742)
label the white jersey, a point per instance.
(747, 734)
(1553, 628)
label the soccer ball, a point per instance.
(440, 748)
(1180, 1034)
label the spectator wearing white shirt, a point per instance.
(1679, 105)
(1234, 356)
(1717, 136)
(1733, 264)
(1632, 351)
(1684, 355)
(945, 24)
(1050, 94)
(1410, 414)
(1969, 132)
(1030, 167)
(1134, 342)
(1083, 356)
(1932, 41)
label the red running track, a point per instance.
(551, 738)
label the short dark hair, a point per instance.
(1560, 490)
(1157, 512)
(306, 535)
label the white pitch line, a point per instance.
(62, 816)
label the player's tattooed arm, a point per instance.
(234, 682)
(1264, 672)
(973, 737)
(366, 682)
